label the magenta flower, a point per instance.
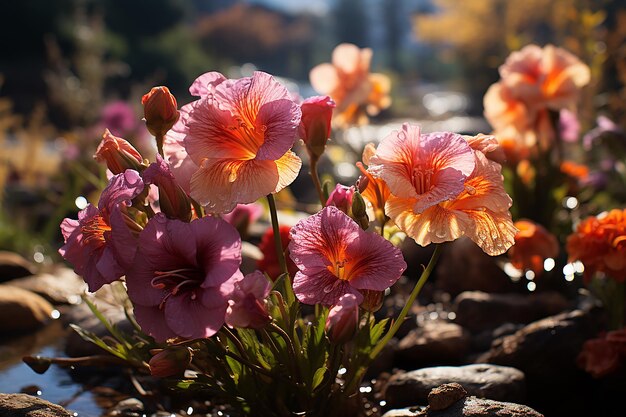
(343, 319)
(244, 215)
(99, 244)
(247, 307)
(336, 257)
(120, 118)
(341, 197)
(183, 276)
(238, 138)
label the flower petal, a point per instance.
(188, 317)
(322, 288)
(152, 322)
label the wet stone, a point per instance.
(482, 380)
(478, 407)
(445, 395)
(61, 286)
(435, 342)
(23, 405)
(27, 310)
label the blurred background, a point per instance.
(70, 68)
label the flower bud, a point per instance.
(118, 154)
(173, 200)
(343, 319)
(160, 110)
(341, 197)
(169, 362)
(247, 308)
(314, 127)
(359, 212)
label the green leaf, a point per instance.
(318, 377)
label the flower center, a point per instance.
(93, 231)
(251, 139)
(176, 281)
(421, 180)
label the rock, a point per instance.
(62, 286)
(478, 407)
(463, 266)
(483, 380)
(445, 395)
(433, 343)
(13, 266)
(404, 412)
(129, 407)
(82, 316)
(23, 405)
(27, 310)
(545, 349)
(483, 340)
(477, 311)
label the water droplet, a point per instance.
(327, 289)
(470, 190)
(263, 128)
(482, 236)
(440, 233)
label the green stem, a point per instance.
(280, 253)
(409, 303)
(159, 142)
(316, 180)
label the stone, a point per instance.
(445, 395)
(27, 310)
(464, 266)
(482, 380)
(477, 310)
(435, 342)
(404, 412)
(479, 407)
(14, 266)
(23, 405)
(545, 349)
(61, 286)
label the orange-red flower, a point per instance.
(533, 245)
(160, 110)
(442, 188)
(599, 242)
(118, 154)
(348, 81)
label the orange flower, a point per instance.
(544, 77)
(442, 188)
(348, 81)
(600, 244)
(374, 190)
(118, 154)
(576, 171)
(160, 110)
(533, 245)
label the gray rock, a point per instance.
(61, 286)
(23, 405)
(477, 310)
(478, 407)
(404, 412)
(435, 342)
(27, 310)
(481, 380)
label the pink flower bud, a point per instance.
(118, 154)
(169, 362)
(247, 307)
(372, 300)
(160, 110)
(343, 319)
(341, 197)
(173, 200)
(314, 127)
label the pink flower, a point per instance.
(238, 137)
(99, 244)
(119, 117)
(343, 319)
(314, 129)
(173, 201)
(443, 187)
(336, 257)
(599, 357)
(247, 307)
(244, 215)
(183, 275)
(341, 197)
